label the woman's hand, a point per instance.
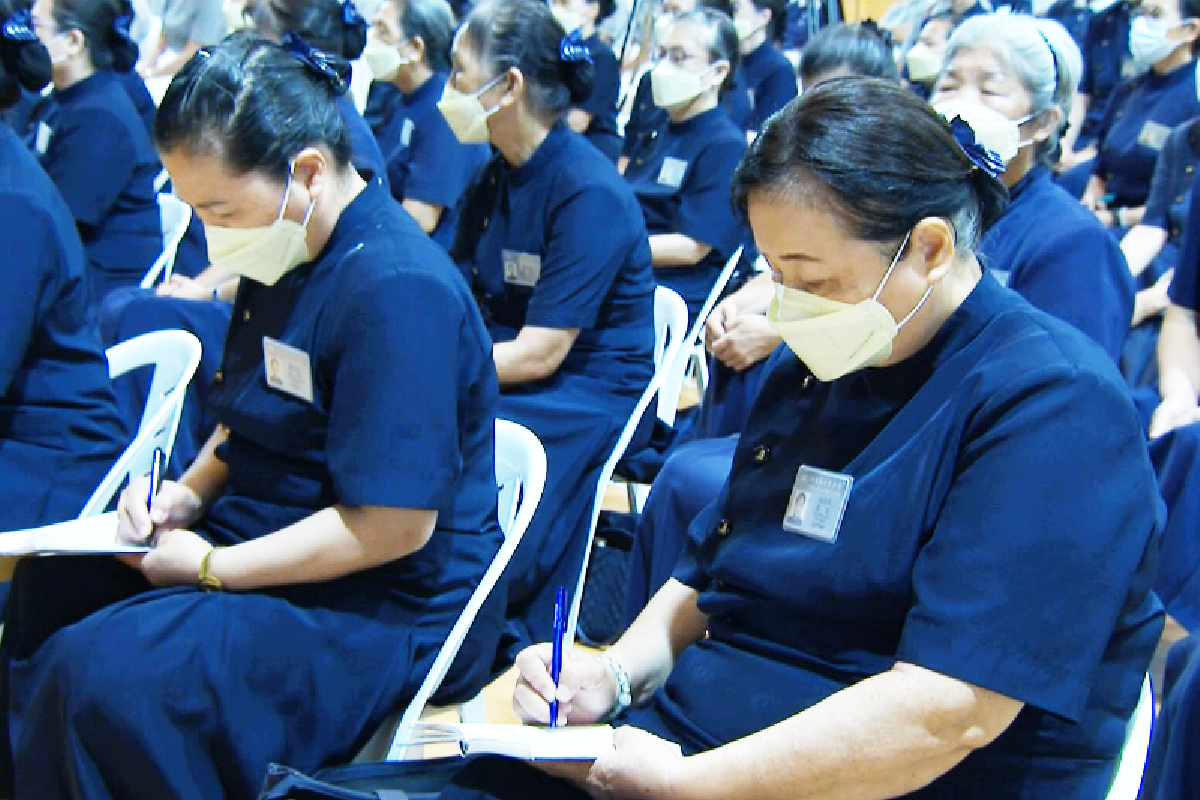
(587, 689)
(1152, 302)
(174, 560)
(747, 340)
(640, 766)
(722, 316)
(184, 287)
(175, 506)
(1175, 411)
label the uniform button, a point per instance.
(218, 376)
(723, 528)
(719, 585)
(246, 315)
(1175, 232)
(1189, 169)
(761, 454)
(474, 270)
(1104, 42)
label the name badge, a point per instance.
(1001, 275)
(42, 138)
(817, 503)
(1153, 135)
(521, 269)
(406, 132)
(672, 172)
(288, 369)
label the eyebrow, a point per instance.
(799, 257)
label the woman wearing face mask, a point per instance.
(554, 246)
(1143, 111)
(766, 73)
(842, 623)
(311, 561)
(596, 117)
(428, 168)
(59, 429)
(1012, 78)
(740, 339)
(923, 61)
(681, 178)
(92, 142)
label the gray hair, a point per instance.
(1040, 51)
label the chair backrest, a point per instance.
(670, 326)
(695, 341)
(670, 304)
(175, 215)
(520, 477)
(1127, 780)
(175, 356)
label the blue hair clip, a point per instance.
(980, 156)
(314, 59)
(350, 14)
(572, 48)
(19, 27)
(122, 25)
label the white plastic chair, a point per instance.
(175, 215)
(175, 356)
(697, 357)
(520, 477)
(670, 325)
(1127, 781)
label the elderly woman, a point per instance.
(866, 642)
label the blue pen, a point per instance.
(156, 470)
(556, 656)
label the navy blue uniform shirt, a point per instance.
(99, 155)
(425, 160)
(59, 426)
(1183, 285)
(1140, 117)
(1052, 251)
(1106, 62)
(969, 490)
(769, 80)
(681, 180)
(1171, 192)
(647, 121)
(365, 154)
(602, 104)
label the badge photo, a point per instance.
(287, 369)
(521, 269)
(817, 503)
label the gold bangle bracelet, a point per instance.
(207, 581)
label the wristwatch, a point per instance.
(624, 698)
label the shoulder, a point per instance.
(102, 108)
(580, 168)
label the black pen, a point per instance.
(156, 470)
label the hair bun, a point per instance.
(333, 71)
(578, 69)
(22, 55)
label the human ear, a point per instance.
(310, 169)
(932, 246)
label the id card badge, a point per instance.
(817, 503)
(672, 171)
(1153, 135)
(288, 369)
(521, 269)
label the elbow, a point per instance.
(962, 717)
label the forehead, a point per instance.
(1158, 8)
(979, 62)
(388, 15)
(687, 35)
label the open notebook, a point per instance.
(96, 534)
(525, 742)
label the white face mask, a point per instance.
(383, 60)
(746, 28)
(264, 254)
(465, 113)
(833, 338)
(569, 20)
(992, 129)
(673, 86)
(923, 64)
(1149, 42)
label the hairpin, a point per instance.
(19, 27)
(572, 48)
(980, 156)
(350, 14)
(122, 25)
(314, 59)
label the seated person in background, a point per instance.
(92, 142)
(766, 73)
(1151, 248)
(596, 117)
(187, 25)
(428, 168)
(59, 428)
(1106, 63)
(1142, 113)
(681, 177)
(740, 339)
(349, 516)
(865, 642)
(923, 61)
(553, 244)
(1011, 77)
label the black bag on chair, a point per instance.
(606, 587)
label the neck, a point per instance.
(586, 29)
(412, 77)
(1181, 56)
(705, 101)
(1019, 167)
(947, 296)
(518, 138)
(71, 72)
(754, 41)
(327, 212)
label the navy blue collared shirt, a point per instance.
(647, 121)
(1171, 189)
(425, 160)
(602, 104)
(1106, 62)
(770, 82)
(365, 154)
(1140, 117)
(1052, 251)
(1183, 291)
(681, 180)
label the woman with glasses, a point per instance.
(681, 176)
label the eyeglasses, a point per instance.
(678, 56)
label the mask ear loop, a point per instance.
(287, 190)
(888, 274)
